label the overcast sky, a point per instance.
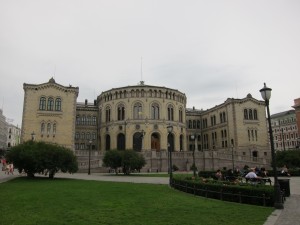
(209, 50)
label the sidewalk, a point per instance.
(290, 215)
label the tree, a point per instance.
(40, 157)
(289, 158)
(112, 159)
(129, 160)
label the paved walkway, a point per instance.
(290, 215)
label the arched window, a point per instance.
(54, 128)
(42, 103)
(250, 114)
(180, 115)
(58, 104)
(48, 128)
(121, 112)
(245, 114)
(107, 114)
(170, 112)
(137, 111)
(50, 104)
(255, 114)
(155, 111)
(43, 128)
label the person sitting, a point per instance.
(251, 176)
(285, 171)
(219, 175)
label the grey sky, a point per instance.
(209, 50)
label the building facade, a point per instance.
(285, 130)
(49, 113)
(3, 131)
(136, 117)
(13, 135)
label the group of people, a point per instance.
(7, 167)
(249, 173)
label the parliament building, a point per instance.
(136, 118)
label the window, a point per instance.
(54, 128)
(94, 120)
(180, 115)
(42, 103)
(255, 114)
(155, 111)
(58, 104)
(245, 114)
(121, 112)
(77, 120)
(107, 114)
(50, 104)
(250, 114)
(82, 135)
(88, 136)
(170, 113)
(43, 128)
(137, 111)
(48, 128)
(94, 136)
(77, 136)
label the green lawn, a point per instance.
(64, 201)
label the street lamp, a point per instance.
(170, 129)
(32, 136)
(90, 146)
(266, 95)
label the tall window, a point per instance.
(77, 135)
(94, 120)
(155, 111)
(170, 112)
(137, 111)
(121, 112)
(255, 114)
(250, 114)
(245, 114)
(77, 120)
(42, 103)
(48, 128)
(50, 104)
(58, 104)
(54, 128)
(107, 114)
(180, 115)
(43, 128)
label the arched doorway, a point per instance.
(155, 141)
(137, 141)
(107, 142)
(121, 142)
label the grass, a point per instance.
(77, 202)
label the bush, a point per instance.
(40, 157)
(129, 160)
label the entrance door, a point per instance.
(137, 141)
(155, 141)
(121, 142)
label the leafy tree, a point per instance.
(289, 158)
(129, 160)
(40, 157)
(112, 159)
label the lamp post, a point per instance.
(266, 95)
(90, 146)
(170, 129)
(32, 136)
